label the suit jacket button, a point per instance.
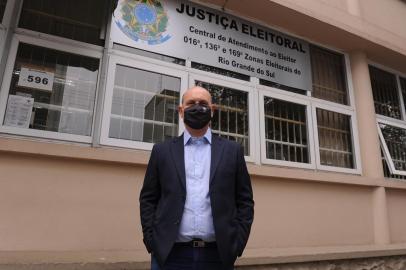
(176, 222)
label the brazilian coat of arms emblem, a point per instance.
(144, 20)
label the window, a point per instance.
(286, 131)
(141, 104)
(79, 20)
(385, 92)
(49, 92)
(49, 87)
(328, 75)
(335, 136)
(285, 135)
(303, 131)
(335, 144)
(389, 92)
(144, 105)
(393, 142)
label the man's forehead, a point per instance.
(197, 94)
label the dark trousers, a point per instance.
(191, 258)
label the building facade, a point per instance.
(315, 91)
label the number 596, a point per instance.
(37, 79)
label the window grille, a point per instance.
(335, 140)
(385, 92)
(230, 119)
(144, 105)
(286, 131)
(75, 19)
(328, 75)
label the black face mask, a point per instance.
(197, 116)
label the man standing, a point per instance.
(196, 203)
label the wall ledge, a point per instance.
(62, 149)
(261, 256)
(66, 150)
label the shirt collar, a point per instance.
(187, 136)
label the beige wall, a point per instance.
(298, 214)
(339, 4)
(397, 217)
(392, 19)
(386, 15)
(63, 204)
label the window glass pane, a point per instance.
(144, 105)
(387, 171)
(395, 139)
(385, 92)
(335, 142)
(220, 71)
(2, 9)
(403, 86)
(58, 87)
(74, 19)
(230, 120)
(328, 75)
(285, 131)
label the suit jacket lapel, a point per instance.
(178, 155)
(217, 146)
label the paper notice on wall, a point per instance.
(36, 79)
(18, 112)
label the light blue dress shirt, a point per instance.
(197, 219)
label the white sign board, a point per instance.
(186, 30)
(18, 112)
(36, 79)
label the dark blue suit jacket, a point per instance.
(163, 196)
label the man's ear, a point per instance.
(213, 108)
(180, 111)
